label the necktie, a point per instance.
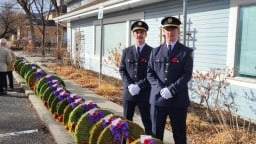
(169, 49)
(138, 49)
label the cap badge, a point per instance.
(169, 20)
(139, 23)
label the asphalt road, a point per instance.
(19, 122)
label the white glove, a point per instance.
(134, 89)
(165, 93)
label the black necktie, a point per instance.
(138, 49)
(169, 49)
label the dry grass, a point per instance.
(199, 129)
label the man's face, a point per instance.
(139, 36)
(171, 33)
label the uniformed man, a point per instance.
(169, 70)
(133, 71)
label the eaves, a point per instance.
(108, 7)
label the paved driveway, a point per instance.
(19, 122)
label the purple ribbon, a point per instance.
(71, 98)
(95, 116)
(87, 107)
(32, 66)
(120, 131)
(62, 97)
(107, 121)
(49, 78)
(76, 102)
(39, 73)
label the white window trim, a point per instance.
(233, 20)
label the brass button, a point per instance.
(165, 79)
(167, 64)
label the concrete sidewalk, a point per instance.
(57, 129)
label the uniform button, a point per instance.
(166, 71)
(135, 70)
(165, 79)
(135, 76)
(136, 63)
(167, 64)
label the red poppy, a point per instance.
(175, 60)
(73, 126)
(147, 141)
(142, 60)
(131, 139)
(61, 118)
(55, 115)
(66, 127)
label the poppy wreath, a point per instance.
(18, 63)
(148, 141)
(86, 122)
(132, 133)
(77, 113)
(99, 126)
(62, 104)
(73, 98)
(48, 102)
(45, 82)
(55, 101)
(26, 67)
(48, 89)
(33, 76)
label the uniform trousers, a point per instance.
(144, 108)
(178, 122)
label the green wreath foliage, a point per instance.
(60, 109)
(97, 128)
(75, 115)
(135, 131)
(68, 109)
(137, 141)
(83, 128)
(18, 63)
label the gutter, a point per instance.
(108, 7)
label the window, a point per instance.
(114, 35)
(116, 32)
(246, 42)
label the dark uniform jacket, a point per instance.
(133, 70)
(172, 70)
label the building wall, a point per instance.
(211, 23)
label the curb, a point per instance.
(56, 129)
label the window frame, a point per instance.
(118, 19)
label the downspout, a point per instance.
(184, 21)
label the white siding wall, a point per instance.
(211, 21)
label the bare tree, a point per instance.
(58, 10)
(40, 9)
(8, 19)
(27, 7)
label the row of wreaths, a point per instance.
(83, 119)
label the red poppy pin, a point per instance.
(142, 60)
(174, 60)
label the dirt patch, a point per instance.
(200, 129)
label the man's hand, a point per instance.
(134, 89)
(165, 93)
